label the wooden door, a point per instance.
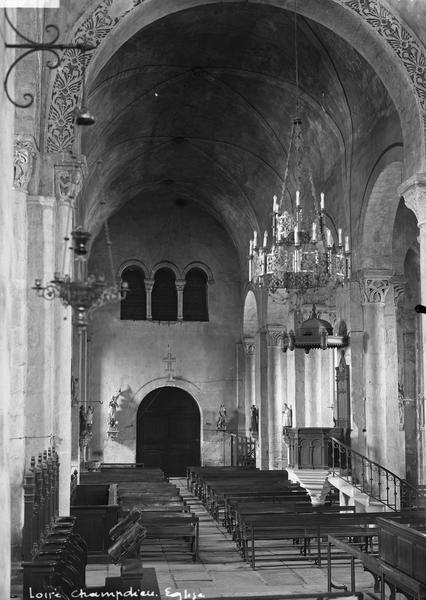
(168, 431)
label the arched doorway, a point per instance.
(168, 431)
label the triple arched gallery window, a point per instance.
(165, 297)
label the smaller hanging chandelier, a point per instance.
(313, 333)
(84, 293)
(302, 254)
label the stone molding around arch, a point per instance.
(133, 262)
(97, 23)
(185, 385)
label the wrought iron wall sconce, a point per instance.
(30, 46)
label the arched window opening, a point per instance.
(164, 296)
(195, 296)
(133, 307)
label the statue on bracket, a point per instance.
(112, 416)
(254, 421)
(401, 406)
(287, 416)
(221, 420)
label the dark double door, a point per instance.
(168, 431)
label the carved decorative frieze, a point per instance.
(24, 154)
(108, 13)
(402, 41)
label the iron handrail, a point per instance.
(374, 479)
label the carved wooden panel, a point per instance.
(343, 399)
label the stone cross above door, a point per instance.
(169, 359)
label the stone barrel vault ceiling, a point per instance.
(198, 106)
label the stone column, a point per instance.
(262, 394)
(275, 395)
(66, 196)
(40, 374)
(395, 439)
(149, 284)
(249, 345)
(414, 193)
(374, 287)
(180, 284)
(24, 153)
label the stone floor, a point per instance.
(222, 572)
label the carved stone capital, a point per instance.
(374, 285)
(274, 336)
(249, 346)
(180, 284)
(24, 154)
(69, 179)
(398, 283)
(414, 193)
(149, 284)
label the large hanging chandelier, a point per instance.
(84, 293)
(301, 253)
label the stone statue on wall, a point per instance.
(401, 406)
(89, 419)
(254, 421)
(287, 416)
(221, 420)
(112, 411)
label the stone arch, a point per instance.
(133, 262)
(250, 315)
(372, 29)
(166, 264)
(378, 219)
(199, 265)
(168, 430)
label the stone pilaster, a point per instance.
(249, 345)
(374, 288)
(180, 284)
(414, 193)
(274, 336)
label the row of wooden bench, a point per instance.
(164, 513)
(281, 519)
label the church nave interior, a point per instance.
(213, 230)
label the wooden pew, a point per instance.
(308, 527)
(53, 553)
(399, 563)
(96, 510)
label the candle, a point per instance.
(296, 235)
(329, 240)
(339, 236)
(251, 248)
(322, 202)
(297, 199)
(314, 232)
(347, 244)
(265, 239)
(255, 239)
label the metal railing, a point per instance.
(373, 479)
(243, 451)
